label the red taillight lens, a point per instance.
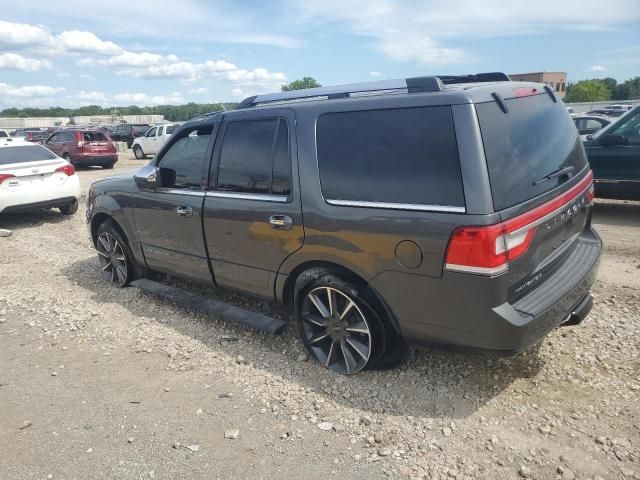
(67, 170)
(488, 250)
(525, 91)
(4, 176)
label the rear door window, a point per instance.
(403, 156)
(533, 139)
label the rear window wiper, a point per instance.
(561, 172)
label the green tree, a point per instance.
(629, 90)
(306, 82)
(587, 91)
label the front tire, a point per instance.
(137, 151)
(114, 255)
(338, 325)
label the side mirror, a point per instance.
(613, 140)
(147, 178)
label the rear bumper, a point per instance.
(460, 311)
(14, 201)
(88, 160)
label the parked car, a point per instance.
(83, 147)
(590, 124)
(127, 132)
(31, 135)
(614, 155)
(383, 214)
(623, 107)
(151, 142)
(32, 177)
(606, 112)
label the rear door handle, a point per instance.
(281, 222)
(184, 211)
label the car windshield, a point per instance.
(620, 121)
(24, 153)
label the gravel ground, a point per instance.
(97, 382)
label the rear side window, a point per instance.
(3, 134)
(536, 137)
(401, 156)
(26, 153)
(171, 129)
(254, 157)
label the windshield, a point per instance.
(624, 118)
(534, 138)
(24, 153)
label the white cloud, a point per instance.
(27, 91)
(18, 35)
(92, 97)
(78, 41)
(199, 91)
(375, 74)
(597, 68)
(14, 61)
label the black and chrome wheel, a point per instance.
(113, 254)
(337, 329)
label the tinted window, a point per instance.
(182, 165)
(27, 153)
(171, 129)
(3, 134)
(246, 156)
(536, 137)
(281, 177)
(405, 156)
(67, 137)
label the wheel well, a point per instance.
(290, 283)
(98, 220)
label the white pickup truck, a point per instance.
(151, 142)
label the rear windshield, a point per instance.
(536, 137)
(401, 156)
(24, 153)
(140, 129)
(94, 137)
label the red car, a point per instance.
(83, 147)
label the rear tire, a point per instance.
(114, 254)
(67, 157)
(338, 321)
(107, 166)
(69, 209)
(137, 151)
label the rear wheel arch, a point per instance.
(304, 273)
(100, 218)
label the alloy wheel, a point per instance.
(112, 259)
(335, 330)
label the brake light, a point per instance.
(67, 170)
(487, 250)
(5, 176)
(525, 91)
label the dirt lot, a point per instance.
(97, 382)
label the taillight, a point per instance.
(487, 250)
(67, 170)
(4, 176)
(525, 91)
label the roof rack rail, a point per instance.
(411, 85)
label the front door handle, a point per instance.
(281, 222)
(184, 211)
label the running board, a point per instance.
(208, 305)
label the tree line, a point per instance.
(602, 90)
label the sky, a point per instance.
(71, 53)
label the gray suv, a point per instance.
(436, 210)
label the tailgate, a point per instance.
(98, 148)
